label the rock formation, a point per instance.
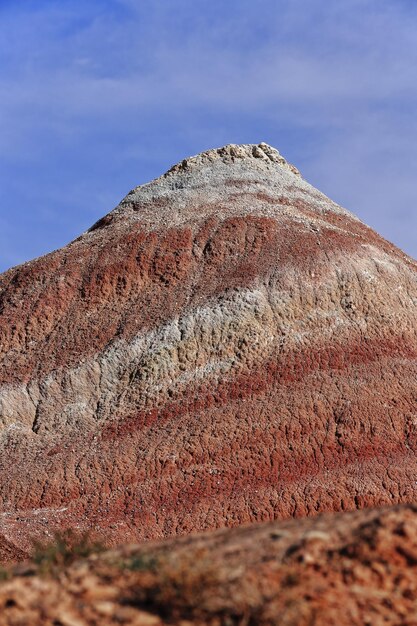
(227, 346)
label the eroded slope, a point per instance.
(226, 346)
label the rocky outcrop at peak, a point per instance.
(232, 152)
(227, 346)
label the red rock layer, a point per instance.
(227, 346)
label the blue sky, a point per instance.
(99, 96)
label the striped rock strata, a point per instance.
(228, 345)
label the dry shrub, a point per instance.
(174, 585)
(66, 547)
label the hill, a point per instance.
(227, 346)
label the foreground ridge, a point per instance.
(343, 570)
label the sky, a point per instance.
(99, 96)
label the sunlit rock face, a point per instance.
(228, 345)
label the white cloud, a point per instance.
(158, 78)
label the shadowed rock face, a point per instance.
(228, 345)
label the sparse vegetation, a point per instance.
(141, 563)
(4, 574)
(63, 550)
(174, 585)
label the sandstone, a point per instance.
(227, 346)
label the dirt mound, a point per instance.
(343, 570)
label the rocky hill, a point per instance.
(227, 346)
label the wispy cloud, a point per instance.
(99, 96)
